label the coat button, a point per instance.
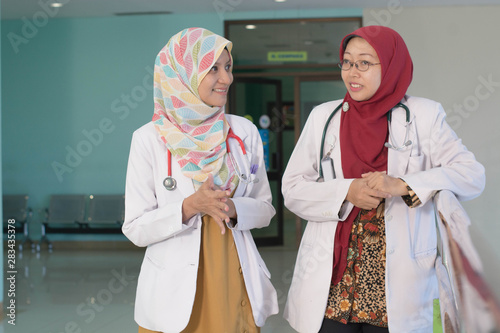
(243, 303)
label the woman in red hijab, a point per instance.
(366, 260)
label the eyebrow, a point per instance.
(361, 54)
(218, 62)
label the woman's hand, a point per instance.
(363, 196)
(210, 200)
(381, 181)
(231, 212)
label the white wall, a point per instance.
(456, 52)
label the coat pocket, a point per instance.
(316, 249)
(416, 163)
(153, 261)
(163, 254)
(424, 235)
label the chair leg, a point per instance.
(26, 238)
(43, 240)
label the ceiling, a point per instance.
(314, 40)
(17, 9)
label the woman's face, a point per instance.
(361, 85)
(215, 85)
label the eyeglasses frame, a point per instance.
(340, 64)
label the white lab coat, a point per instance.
(153, 218)
(435, 161)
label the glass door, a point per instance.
(259, 99)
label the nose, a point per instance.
(226, 77)
(354, 71)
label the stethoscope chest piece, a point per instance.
(170, 183)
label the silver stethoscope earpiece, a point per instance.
(406, 144)
(345, 108)
(252, 178)
(406, 141)
(243, 177)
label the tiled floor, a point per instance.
(69, 291)
(93, 291)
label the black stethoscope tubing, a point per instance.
(389, 119)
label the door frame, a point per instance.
(271, 175)
(330, 76)
(299, 77)
(336, 76)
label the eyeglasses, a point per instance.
(361, 65)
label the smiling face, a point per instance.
(361, 85)
(215, 85)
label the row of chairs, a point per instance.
(15, 208)
(68, 213)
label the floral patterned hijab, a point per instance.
(194, 132)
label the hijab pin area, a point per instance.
(345, 107)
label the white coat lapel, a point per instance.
(332, 138)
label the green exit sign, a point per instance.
(287, 56)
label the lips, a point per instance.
(221, 90)
(355, 86)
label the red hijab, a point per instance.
(364, 128)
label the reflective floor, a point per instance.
(68, 291)
(93, 290)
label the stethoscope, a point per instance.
(345, 108)
(171, 184)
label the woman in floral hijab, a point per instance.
(202, 271)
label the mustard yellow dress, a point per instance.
(221, 302)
